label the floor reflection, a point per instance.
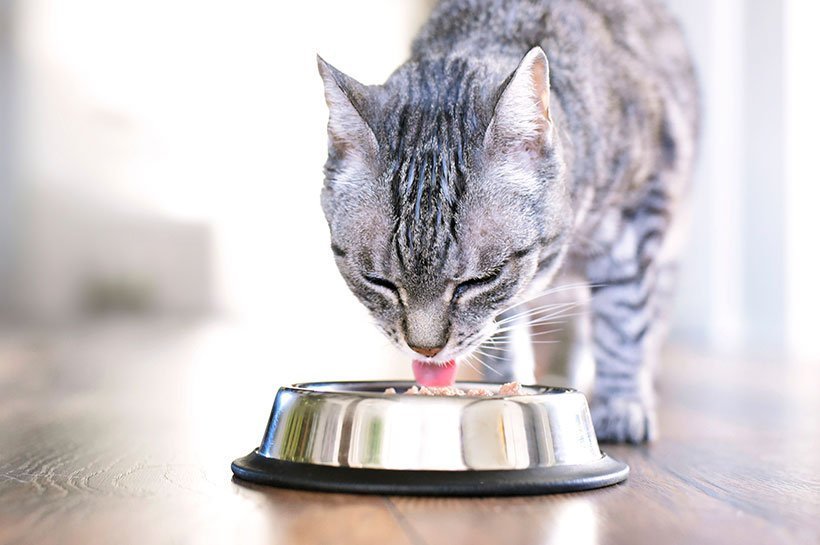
(303, 518)
(574, 522)
(552, 519)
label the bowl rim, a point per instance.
(324, 388)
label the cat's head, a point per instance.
(445, 196)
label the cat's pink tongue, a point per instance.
(435, 374)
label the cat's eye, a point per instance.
(479, 281)
(381, 282)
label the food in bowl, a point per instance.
(508, 389)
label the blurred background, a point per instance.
(160, 168)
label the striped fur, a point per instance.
(481, 173)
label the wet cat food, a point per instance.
(508, 389)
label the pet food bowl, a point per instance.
(352, 437)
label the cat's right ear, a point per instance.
(521, 119)
(348, 132)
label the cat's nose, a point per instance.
(426, 351)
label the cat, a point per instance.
(523, 142)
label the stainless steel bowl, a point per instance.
(352, 437)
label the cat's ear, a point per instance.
(348, 132)
(521, 119)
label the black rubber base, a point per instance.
(518, 482)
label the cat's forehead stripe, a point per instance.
(431, 127)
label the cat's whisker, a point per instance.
(494, 343)
(467, 361)
(552, 290)
(508, 336)
(533, 337)
(481, 349)
(478, 350)
(554, 341)
(532, 298)
(532, 309)
(564, 287)
(560, 318)
(537, 310)
(479, 360)
(544, 305)
(533, 334)
(563, 313)
(551, 321)
(540, 320)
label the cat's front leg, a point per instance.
(627, 330)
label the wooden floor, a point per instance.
(124, 434)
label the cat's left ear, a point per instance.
(521, 119)
(347, 130)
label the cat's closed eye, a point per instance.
(381, 282)
(477, 282)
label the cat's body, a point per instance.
(467, 183)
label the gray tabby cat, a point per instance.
(480, 174)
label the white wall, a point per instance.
(802, 187)
(709, 298)
(748, 276)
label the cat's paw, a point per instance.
(623, 420)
